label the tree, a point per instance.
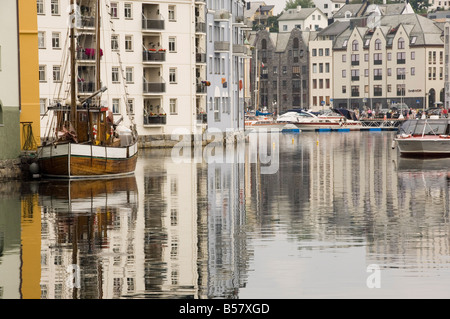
(419, 6)
(292, 4)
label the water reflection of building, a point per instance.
(226, 251)
(353, 187)
(10, 258)
(85, 227)
(169, 225)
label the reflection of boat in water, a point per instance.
(423, 165)
(424, 137)
(88, 195)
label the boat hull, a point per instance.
(424, 146)
(71, 160)
(314, 126)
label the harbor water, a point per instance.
(292, 216)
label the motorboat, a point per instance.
(424, 137)
(330, 120)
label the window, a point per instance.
(40, 7)
(128, 43)
(172, 44)
(327, 52)
(285, 69)
(129, 75)
(114, 12)
(56, 73)
(43, 105)
(389, 56)
(401, 57)
(42, 75)
(344, 89)
(413, 55)
(54, 6)
(130, 104)
(41, 40)
(355, 45)
(377, 58)
(55, 40)
(285, 27)
(344, 58)
(401, 43)
(116, 106)
(413, 71)
(327, 67)
(389, 71)
(172, 13)
(344, 73)
(173, 106)
(377, 44)
(172, 75)
(128, 12)
(115, 74)
(314, 52)
(275, 70)
(114, 42)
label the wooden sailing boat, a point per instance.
(86, 141)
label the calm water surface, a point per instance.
(324, 215)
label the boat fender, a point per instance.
(444, 136)
(405, 135)
(94, 131)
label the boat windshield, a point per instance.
(425, 127)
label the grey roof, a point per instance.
(426, 31)
(294, 14)
(254, 6)
(335, 28)
(439, 15)
(352, 8)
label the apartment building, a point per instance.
(280, 74)
(400, 59)
(226, 59)
(303, 19)
(152, 58)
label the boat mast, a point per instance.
(73, 102)
(97, 49)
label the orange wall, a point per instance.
(29, 67)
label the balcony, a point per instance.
(200, 27)
(154, 87)
(355, 78)
(154, 56)
(355, 93)
(87, 54)
(378, 62)
(377, 77)
(87, 22)
(201, 88)
(152, 24)
(377, 93)
(202, 118)
(401, 61)
(159, 119)
(200, 57)
(401, 76)
(86, 87)
(240, 49)
(355, 62)
(222, 46)
(222, 15)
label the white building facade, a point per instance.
(150, 60)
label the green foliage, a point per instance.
(292, 4)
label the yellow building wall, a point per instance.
(29, 69)
(30, 112)
(30, 287)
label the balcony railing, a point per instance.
(239, 49)
(378, 62)
(221, 46)
(401, 61)
(200, 27)
(401, 76)
(202, 118)
(155, 120)
(154, 87)
(355, 78)
(87, 22)
(87, 54)
(355, 62)
(378, 93)
(377, 77)
(154, 56)
(355, 93)
(222, 15)
(86, 87)
(200, 57)
(152, 24)
(201, 89)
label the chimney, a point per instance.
(299, 8)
